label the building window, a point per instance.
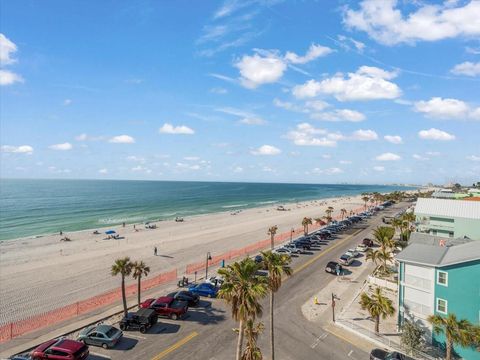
(442, 278)
(442, 306)
(450, 234)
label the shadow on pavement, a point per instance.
(205, 316)
(165, 328)
(125, 344)
(355, 263)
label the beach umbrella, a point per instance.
(110, 232)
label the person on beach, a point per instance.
(133, 226)
(123, 224)
(155, 251)
(61, 232)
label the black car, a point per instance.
(333, 268)
(379, 354)
(187, 296)
(141, 320)
(258, 259)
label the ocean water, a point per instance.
(36, 207)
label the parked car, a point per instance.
(361, 248)
(283, 250)
(167, 306)
(346, 259)
(353, 252)
(60, 349)
(333, 268)
(105, 336)
(182, 295)
(294, 248)
(379, 354)
(368, 242)
(204, 289)
(142, 319)
(215, 281)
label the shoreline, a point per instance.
(227, 209)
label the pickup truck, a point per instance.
(167, 306)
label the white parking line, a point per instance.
(100, 355)
(317, 340)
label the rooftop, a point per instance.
(448, 208)
(438, 251)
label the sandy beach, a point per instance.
(41, 274)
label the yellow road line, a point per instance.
(175, 346)
(340, 337)
(311, 261)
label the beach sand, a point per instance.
(41, 274)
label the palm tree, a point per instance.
(305, 222)
(365, 199)
(139, 269)
(319, 221)
(252, 331)
(383, 235)
(398, 224)
(277, 265)
(329, 212)
(124, 268)
(460, 332)
(382, 255)
(272, 231)
(377, 305)
(243, 289)
(343, 212)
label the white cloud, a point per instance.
(287, 105)
(61, 147)
(315, 51)
(367, 83)
(317, 105)
(394, 139)
(266, 150)
(81, 137)
(237, 169)
(103, 171)
(307, 135)
(176, 130)
(364, 135)
(136, 159)
(8, 77)
(7, 49)
(385, 23)
(433, 153)
(388, 157)
(252, 121)
(473, 158)
(379, 168)
(420, 157)
(67, 102)
(329, 171)
(122, 139)
(467, 68)
(191, 158)
(339, 115)
(440, 108)
(141, 168)
(257, 70)
(345, 162)
(22, 149)
(326, 156)
(346, 42)
(435, 134)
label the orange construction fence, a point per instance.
(14, 329)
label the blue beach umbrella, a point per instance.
(110, 232)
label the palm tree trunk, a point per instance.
(272, 338)
(138, 290)
(272, 245)
(377, 324)
(449, 349)
(124, 296)
(240, 341)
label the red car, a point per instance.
(61, 349)
(167, 306)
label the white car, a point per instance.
(361, 248)
(283, 250)
(346, 259)
(293, 249)
(215, 280)
(353, 252)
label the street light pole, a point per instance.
(333, 306)
(292, 230)
(209, 257)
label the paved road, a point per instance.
(207, 332)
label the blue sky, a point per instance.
(253, 90)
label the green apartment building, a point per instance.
(448, 218)
(440, 276)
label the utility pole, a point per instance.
(334, 297)
(209, 257)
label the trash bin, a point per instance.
(222, 263)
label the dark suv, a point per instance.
(379, 354)
(141, 320)
(61, 349)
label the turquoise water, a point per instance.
(36, 207)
